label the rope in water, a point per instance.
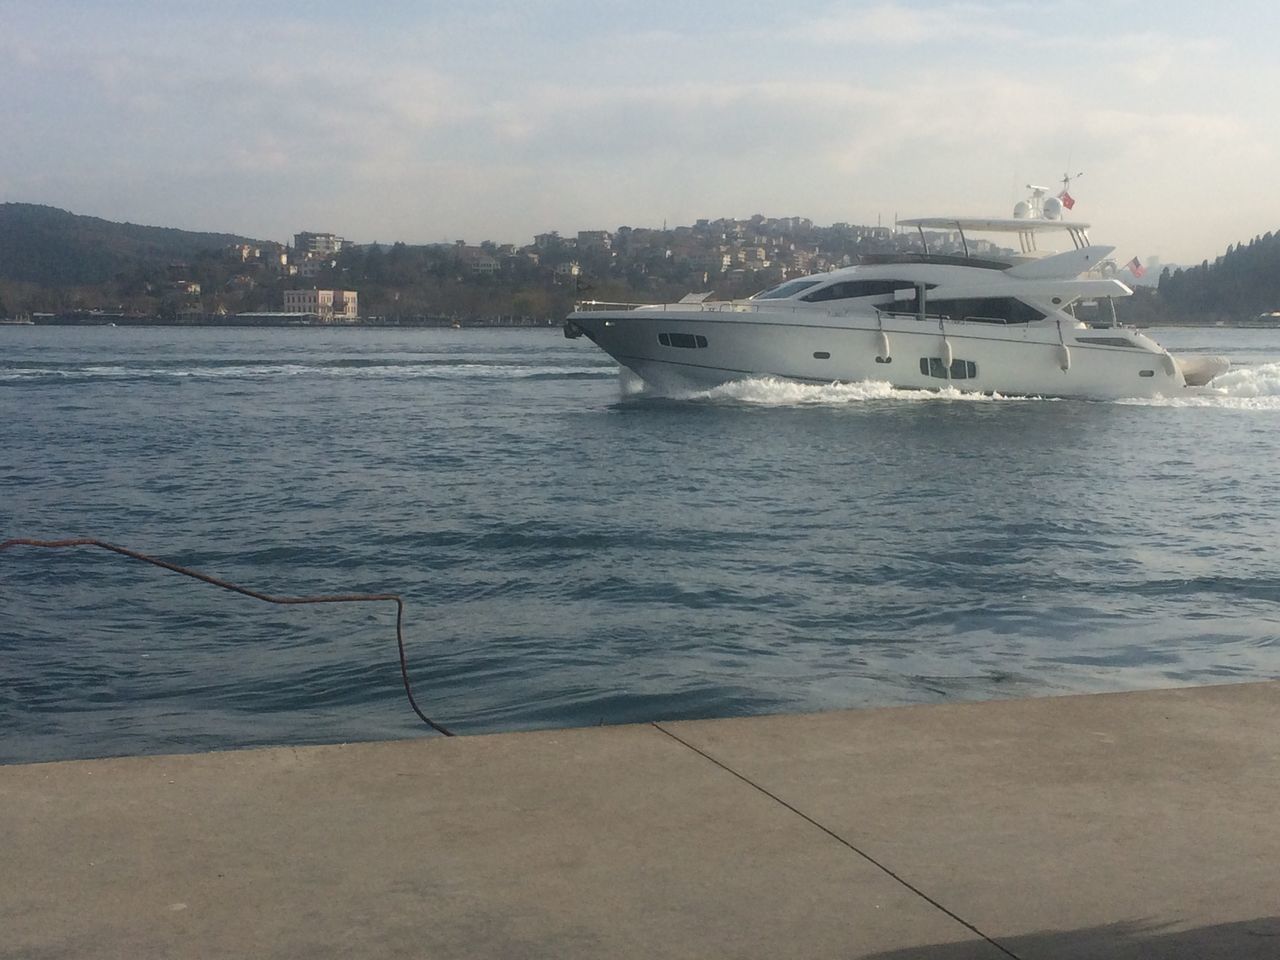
(257, 595)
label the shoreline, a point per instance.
(435, 323)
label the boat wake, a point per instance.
(1243, 388)
(780, 392)
(434, 369)
(775, 391)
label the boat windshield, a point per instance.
(788, 289)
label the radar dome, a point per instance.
(1053, 209)
(1022, 210)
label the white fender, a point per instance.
(947, 355)
(882, 346)
(1064, 357)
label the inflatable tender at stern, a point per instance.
(1198, 371)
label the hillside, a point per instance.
(1237, 286)
(53, 248)
(55, 261)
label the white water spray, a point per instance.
(777, 392)
(1241, 388)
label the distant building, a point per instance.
(594, 240)
(793, 224)
(477, 259)
(307, 244)
(275, 256)
(310, 267)
(243, 252)
(485, 265)
(331, 306)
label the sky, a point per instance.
(431, 121)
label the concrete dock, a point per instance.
(1119, 825)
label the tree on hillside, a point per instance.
(1240, 284)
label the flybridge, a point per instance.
(1025, 228)
(1037, 214)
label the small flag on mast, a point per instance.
(1135, 267)
(1067, 199)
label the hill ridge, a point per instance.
(48, 245)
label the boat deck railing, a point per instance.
(947, 318)
(716, 306)
(587, 306)
(773, 306)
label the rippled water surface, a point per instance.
(573, 552)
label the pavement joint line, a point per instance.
(839, 839)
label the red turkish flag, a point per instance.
(1068, 201)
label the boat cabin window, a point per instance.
(848, 289)
(687, 340)
(975, 310)
(784, 290)
(960, 369)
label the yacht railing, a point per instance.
(947, 318)
(773, 306)
(989, 321)
(717, 306)
(590, 305)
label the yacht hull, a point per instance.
(674, 350)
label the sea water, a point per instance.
(574, 551)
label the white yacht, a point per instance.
(991, 324)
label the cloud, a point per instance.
(508, 120)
